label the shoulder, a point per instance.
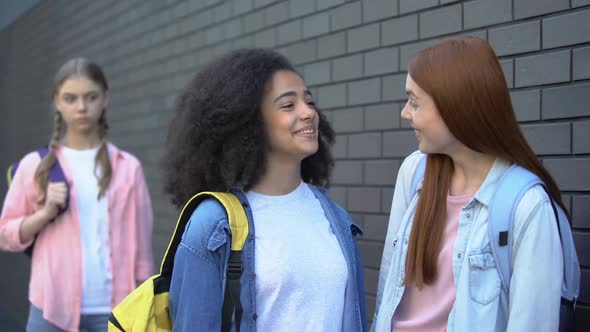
(124, 160)
(535, 199)
(411, 162)
(204, 220)
(28, 164)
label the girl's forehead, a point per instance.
(78, 84)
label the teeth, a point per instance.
(307, 131)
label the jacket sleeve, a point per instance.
(18, 204)
(399, 205)
(196, 287)
(144, 224)
(535, 284)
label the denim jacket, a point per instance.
(199, 275)
(532, 303)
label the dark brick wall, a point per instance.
(353, 55)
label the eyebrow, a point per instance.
(291, 93)
(86, 94)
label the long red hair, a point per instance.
(465, 80)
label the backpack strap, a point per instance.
(56, 174)
(418, 175)
(238, 223)
(513, 184)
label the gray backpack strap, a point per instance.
(513, 184)
(418, 175)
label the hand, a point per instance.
(57, 194)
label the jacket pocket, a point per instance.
(484, 281)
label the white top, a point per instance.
(93, 216)
(301, 272)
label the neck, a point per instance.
(80, 141)
(281, 177)
(470, 170)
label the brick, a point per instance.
(363, 199)
(406, 6)
(347, 120)
(301, 7)
(233, 28)
(375, 227)
(323, 4)
(382, 61)
(222, 12)
(289, 32)
(566, 101)
(381, 172)
(347, 172)
(316, 25)
(481, 13)
(244, 6)
(584, 285)
(317, 73)
(526, 104)
(440, 21)
(517, 38)
(386, 200)
(346, 16)
(399, 143)
(365, 91)
(581, 211)
(529, 8)
(265, 38)
(363, 38)
(567, 29)
(253, 21)
(508, 70)
(340, 147)
(394, 87)
(371, 253)
(262, 3)
(379, 9)
(578, 3)
(303, 51)
(332, 45)
(570, 174)
(581, 63)
(547, 139)
(546, 68)
(276, 13)
(332, 95)
(582, 242)
(348, 67)
(338, 194)
(383, 116)
(581, 137)
(364, 145)
(399, 30)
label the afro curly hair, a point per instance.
(217, 138)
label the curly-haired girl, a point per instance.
(248, 124)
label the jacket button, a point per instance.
(252, 275)
(468, 216)
(250, 237)
(459, 255)
(245, 205)
(254, 317)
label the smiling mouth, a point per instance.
(306, 131)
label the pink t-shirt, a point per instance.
(428, 309)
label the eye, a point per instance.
(311, 104)
(92, 97)
(287, 106)
(413, 105)
(69, 99)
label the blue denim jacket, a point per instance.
(199, 275)
(532, 303)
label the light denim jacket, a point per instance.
(481, 304)
(198, 278)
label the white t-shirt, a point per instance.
(94, 234)
(301, 273)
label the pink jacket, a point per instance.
(56, 267)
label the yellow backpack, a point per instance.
(146, 308)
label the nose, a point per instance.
(81, 105)
(307, 112)
(406, 112)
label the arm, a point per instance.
(399, 205)
(144, 224)
(21, 219)
(535, 285)
(196, 286)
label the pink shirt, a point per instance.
(56, 266)
(428, 309)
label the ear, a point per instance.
(56, 103)
(107, 99)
